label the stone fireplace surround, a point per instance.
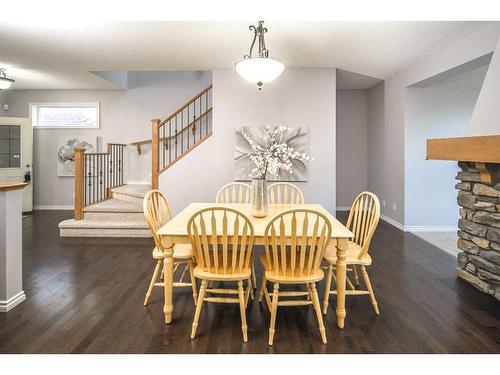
(479, 229)
(479, 200)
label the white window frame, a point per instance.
(34, 117)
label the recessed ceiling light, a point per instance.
(4, 81)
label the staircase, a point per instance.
(180, 133)
(104, 205)
(119, 216)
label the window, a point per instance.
(10, 146)
(67, 115)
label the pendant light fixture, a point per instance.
(259, 69)
(4, 81)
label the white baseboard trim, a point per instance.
(53, 207)
(12, 302)
(342, 208)
(417, 228)
(393, 222)
(413, 228)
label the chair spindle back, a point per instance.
(363, 219)
(310, 232)
(157, 212)
(234, 192)
(222, 240)
(284, 193)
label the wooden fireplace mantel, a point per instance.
(480, 149)
(483, 149)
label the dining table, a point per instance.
(175, 232)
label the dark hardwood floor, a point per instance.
(85, 296)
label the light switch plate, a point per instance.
(6, 107)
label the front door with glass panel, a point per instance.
(16, 148)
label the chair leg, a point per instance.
(248, 292)
(317, 308)
(153, 281)
(309, 290)
(193, 282)
(356, 277)
(274, 309)
(370, 289)
(262, 287)
(254, 278)
(251, 287)
(197, 312)
(241, 295)
(328, 285)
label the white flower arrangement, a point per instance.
(274, 156)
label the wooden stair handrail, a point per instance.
(138, 144)
(185, 152)
(162, 150)
(187, 104)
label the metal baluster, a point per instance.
(100, 178)
(105, 174)
(194, 122)
(187, 127)
(165, 145)
(85, 190)
(120, 157)
(200, 115)
(110, 170)
(170, 140)
(182, 134)
(115, 162)
(94, 177)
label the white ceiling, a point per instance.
(62, 56)
(354, 81)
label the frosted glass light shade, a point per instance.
(259, 69)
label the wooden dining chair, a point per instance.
(158, 212)
(237, 192)
(234, 192)
(362, 222)
(284, 193)
(294, 244)
(222, 240)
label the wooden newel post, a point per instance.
(155, 153)
(79, 183)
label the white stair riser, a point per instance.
(113, 216)
(103, 232)
(127, 198)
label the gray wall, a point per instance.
(299, 97)
(375, 140)
(438, 111)
(386, 137)
(352, 150)
(125, 117)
